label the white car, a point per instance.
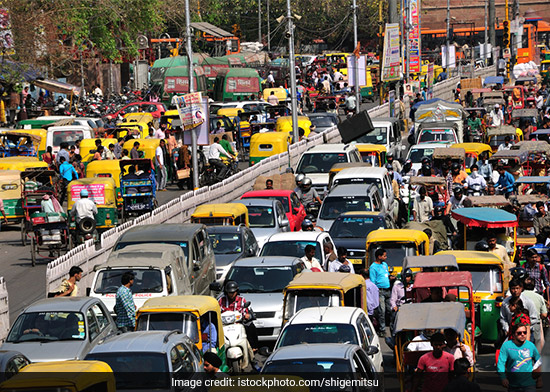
(316, 162)
(419, 151)
(293, 244)
(347, 325)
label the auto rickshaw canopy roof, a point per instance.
(444, 279)
(329, 280)
(21, 163)
(452, 153)
(220, 210)
(520, 155)
(434, 315)
(346, 165)
(473, 257)
(532, 146)
(77, 374)
(531, 199)
(477, 148)
(427, 181)
(430, 261)
(501, 130)
(108, 182)
(534, 180)
(197, 303)
(487, 217)
(397, 235)
(365, 147)
(519, 113)
(278, 138)
(489, 201)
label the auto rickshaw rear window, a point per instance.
(396, 252)
(186, 322)
(265, 147)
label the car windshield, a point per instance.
(360, 180)
(317, 333)
(289, 248)
(261, 279)
(437, 135)
(301, 299)
(47, 327)
(133, 369)
(396, 252)
(185, 322)
(226, 243)
(311, 366)
(333, 206)
(146, 281)
(261, 216)
(416, 154)
(282, 199)
(355, 226)
(484, 279)
(322, 121)
(320, 162)
(377, 136)
(182, 244)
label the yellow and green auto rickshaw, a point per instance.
(21, 163)
(66, 376)
(226, 214)
(284, 124)
(264, 145)
(190, 314)
(20, 144)
(102, 190)
(109, 168)
(146, 146)
(10, 193)
(375, 154)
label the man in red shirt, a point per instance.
(437, 366)
(231, 300)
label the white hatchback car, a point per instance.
(347, 325)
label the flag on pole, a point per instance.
(357, 51)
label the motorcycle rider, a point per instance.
(299, 178)
(231, 300)
(475, 183)
(84, 207)
(307, 194)
(214, 153)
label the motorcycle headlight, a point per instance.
(237, 317)
(228, 319)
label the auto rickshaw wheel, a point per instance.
(33, 251)
(23, 233)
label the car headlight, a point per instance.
(228, 319)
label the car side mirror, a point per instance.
(372, 350)
(285, 223)
(265, 351)
(250, 252)
(215, 286)
(88, 291)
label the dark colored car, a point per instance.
(351, 229)
(323, 121)
(231, 243)
(155, 108)
(11, 362)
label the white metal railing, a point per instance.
(4, 311)
(179, 210)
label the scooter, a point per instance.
(239, 353)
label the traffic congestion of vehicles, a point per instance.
(380, 259)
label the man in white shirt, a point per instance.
(351, 102)
(423, 206)
(507, 145)
(270, 80)
(161, 132)
(272, 99)
(310, 261)
(84, 207)
(497, 116)
(161, 167)
(214, 158)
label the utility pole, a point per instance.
(407, 49)
(356, 61)
(448, 44)
(292, 65)
(260, 21)
(268, 29)
(194, 149)
(491, 18)
(486, 36)
(392, 11)
(380, 49)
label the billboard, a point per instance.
(415, 63)
(391, 65)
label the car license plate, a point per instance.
(356, 261)
(259, 323)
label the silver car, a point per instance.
(266, 217)
(59, 329)
(261, 281)
(133, 356)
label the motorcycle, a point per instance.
(209, 176)
(84, 230)
(475, 190)
(239, 353)
(313, 208)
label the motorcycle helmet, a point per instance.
(518, 273)
(307, 225)
(311, 217)
(299, 178)
(455, 166)
(231, 287)
(427, 169)
(426, 160)
(482, 246)
(408, 272)
(306, 183)
(458, 190)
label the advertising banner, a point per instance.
(391, 65)
(190, 110)
(202, 130)
(414, 37)
(362, 71)
(96, 192)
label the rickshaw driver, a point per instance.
(84, 207)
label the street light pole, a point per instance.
(292, 65)
(486, 35)
(356, 61)
(260, 21)
(268, 29)
(194, 149)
